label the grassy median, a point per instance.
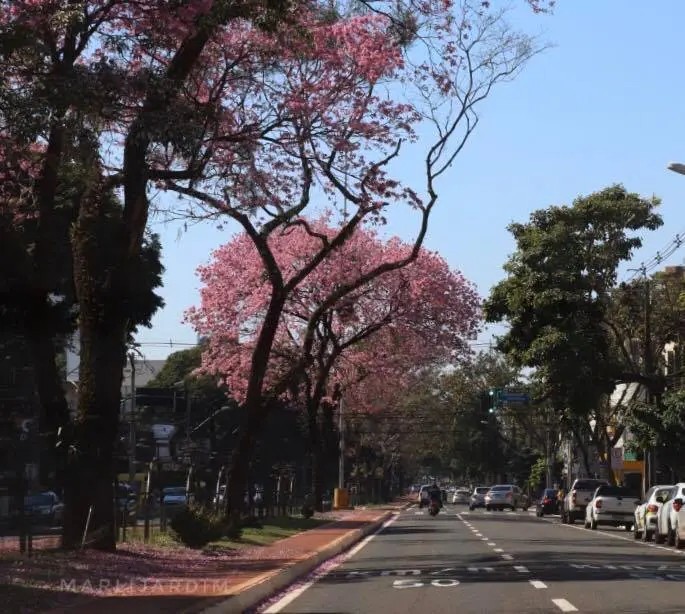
(263, 533)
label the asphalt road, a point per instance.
(479, 561)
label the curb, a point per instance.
(267, 585)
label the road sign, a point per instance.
(617, 458)
(515, 397)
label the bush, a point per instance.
(196, 526)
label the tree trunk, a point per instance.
(240, 462)
(100, 290)
(584, 455)
(54, 412)
(316, 455)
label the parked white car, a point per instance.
(611, 505)
(647, 513)
(671, 520)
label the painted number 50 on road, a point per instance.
(440, 583)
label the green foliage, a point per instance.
(556, 294)
(195, 526)
(537, 474)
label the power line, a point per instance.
(666, 252)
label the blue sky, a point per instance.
(604, 105)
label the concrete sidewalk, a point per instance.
(244, 581)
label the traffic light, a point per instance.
(495, 395)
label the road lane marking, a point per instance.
(499, 550)
(478, 534)
(626, 539)
(537, 584)
(564, 605)
(507, 557)
(484, 539)
(492, 544)
(293, 594)
(521, 569)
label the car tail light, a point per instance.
(652, 508)
(508, 495)
(677, 506)
(598, 504)
(573, 496)
(547, 500)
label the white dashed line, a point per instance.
(507, 557)
(498, 549)
(521, 569)
(564, 605)
(537, 584)
(484, 539)
(492, 544)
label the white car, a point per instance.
(422, 498)
(613, 506)
(647, 513)
(461, 497)
(670, 524)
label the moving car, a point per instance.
(461, 497)
(422, 497)
(478, 497)
(505, 495)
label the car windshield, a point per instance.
(500, 488)
(175, 492)
(549, 492)
(588, 484)
(39, 500)
(662, 493)
(481, 490)
(462, 492)
(615, 491)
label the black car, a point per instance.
(547, 503)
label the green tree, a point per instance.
(557, 294)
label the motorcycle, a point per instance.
(434, 508)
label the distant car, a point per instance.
(461, 497)
(478, 497)
(547, 503)
(422, 497)
(505, 495)
(174, 499)
(44, 508)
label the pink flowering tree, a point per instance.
(255, 111)
(407, 319)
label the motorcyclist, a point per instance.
(435, 494)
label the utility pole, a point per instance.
(648, 368)
(187, 393)
(132, 422)
(649, 455)
(341, 457)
